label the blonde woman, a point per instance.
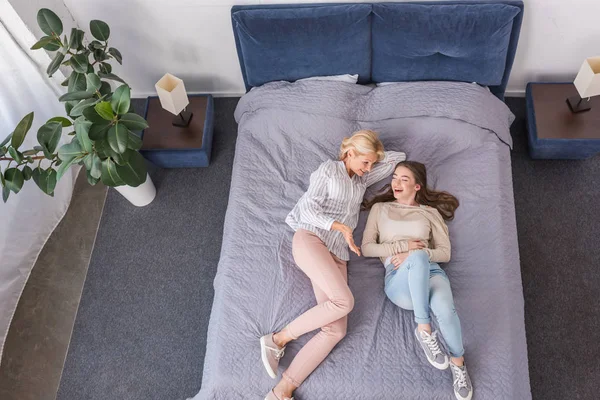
(324, 219)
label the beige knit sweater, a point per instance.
(392, 225)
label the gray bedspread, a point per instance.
(461, 132)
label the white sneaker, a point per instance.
(273, 396)
(270, 354)
(431, 347)
(463, 389)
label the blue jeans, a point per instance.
(420, 285)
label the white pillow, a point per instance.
(338, 78)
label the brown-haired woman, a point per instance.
(406, 229)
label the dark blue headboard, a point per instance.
(471, 41)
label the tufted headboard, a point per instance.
(471, 41)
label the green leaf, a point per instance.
(96, 166)
(21, 130)
(82, 105)
(6, 140)
(133, 122)
(99, 130)
(53, 66)
(15, 154)
(104, 110)
(104, 150)
(134, 172)
(110, 76)
(134, 142)
(105, 89)
(49, 22)
(94, 44)
(27, 153)
(121, 99)
(91, 115)
(48, 136)
(65, 82)
(76, 96)
(42, 42)
(64, 167)
(91, 180)
(93, 165)
(77, 82)
(110, 176)
(117, 138)
(45, 179)
(5, 193)
(93, 82)
(27, 171)
(105, 68)
(13, 179)
(70, 151)
(100, 55)
(80, 63)
(82, 128)
(64, 121)
(116, 54)
(53, 46)
(99, 29)
(76, 39)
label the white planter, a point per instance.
(139, 196)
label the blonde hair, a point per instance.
(363, 142)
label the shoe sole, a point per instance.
(265, 359)
(436, 366)
(457, 396)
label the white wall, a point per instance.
(193, 39)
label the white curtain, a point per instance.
(29, 217)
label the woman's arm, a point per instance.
(311, 209)
(440, 243)
(370, 246)
(385, 167)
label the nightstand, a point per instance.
(554, 132)
(170, 146)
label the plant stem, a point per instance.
(11, 159)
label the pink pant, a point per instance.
(329, 279)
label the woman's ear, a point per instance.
(351, 153)
(417, 187)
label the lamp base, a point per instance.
(577, 104)
(183, 119)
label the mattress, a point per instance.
(461, 133)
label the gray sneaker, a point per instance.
(463, 389)
(270, 354)
(431, 347)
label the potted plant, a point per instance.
(102, 121)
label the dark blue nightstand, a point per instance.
(554, 132)
(170, 146)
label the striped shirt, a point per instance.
(333, 196)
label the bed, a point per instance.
(451, 63)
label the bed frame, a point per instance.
(410, 41)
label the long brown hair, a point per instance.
(444, 202)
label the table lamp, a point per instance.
(173, 98)
(587, 84)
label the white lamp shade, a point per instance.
(587, 81)
(172, 94)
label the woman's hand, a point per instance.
(398, 259)
(415, 245)
(347, 232)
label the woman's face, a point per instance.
(404, 186)
(361, 164)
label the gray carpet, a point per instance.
(140, 332)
